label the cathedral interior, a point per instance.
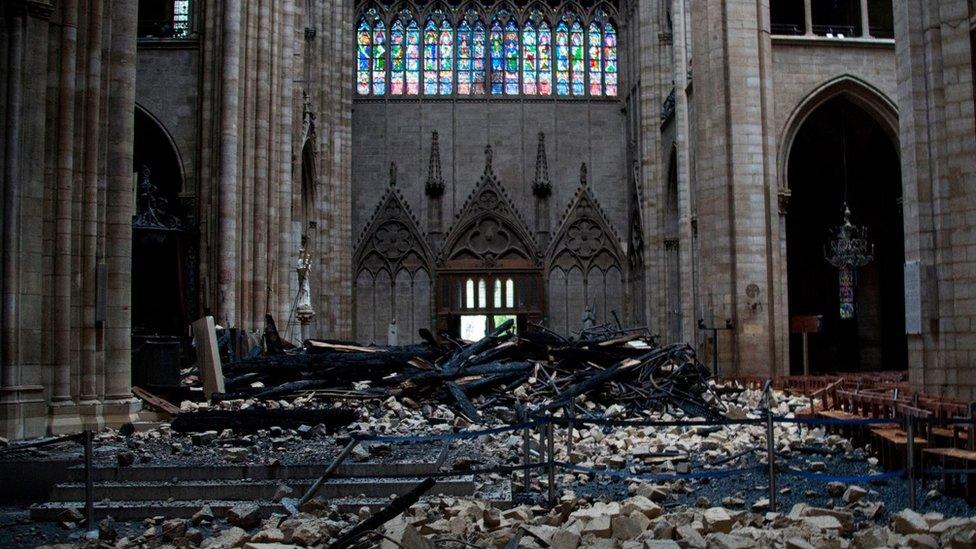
(781, 185)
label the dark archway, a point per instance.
(874, 339)
(163, 251)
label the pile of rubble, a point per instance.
(635, 522)
(538, 369)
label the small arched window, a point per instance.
(430, 57)
(445, 56)
(511, 58)
(496, 44)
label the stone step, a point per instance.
(139, 510)
(166, 473)
(252, 490)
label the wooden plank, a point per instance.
(208, 356)
(156, 402)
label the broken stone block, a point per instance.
(625, 527)
(822, 523)
(869, 538)
(205, 514)
(647, 507)
(268, 535)
(125, 458)
(253, 545)
(565, 539)
(690, 536)
(661, 544)
(233, 537)
(835, 489)
(403, 535)
(204, 438)
(309, 533)
(245, 515)
(717, 519)
(854, 493)
(282, 491)
(798, 543)
(174, 529)
(599, 526)
(941, 528)
(761, 505)
(721, 540)
(909, 522)
(922, 541)
(236, 455)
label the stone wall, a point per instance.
(938, 150)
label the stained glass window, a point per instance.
(511, 58)
(413, 57)
(610, 59)
(397, 58)
(181, 18)
(577, 63)
(562, 58)
(595, 56)
(530, 59)
(445, 54)
(379, 58)
(545, 60)
(471, 58)
(496, 41)
(364, 53)
(430, 57)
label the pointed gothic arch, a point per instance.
(393, 273)
(585, 264)
(490, 267)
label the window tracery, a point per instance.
(442, 51)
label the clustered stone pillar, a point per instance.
(67, 114)
(248, 107)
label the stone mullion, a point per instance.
(90, 206)
(228, 186)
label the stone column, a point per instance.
(64, 414)
(119, 406)
(228, 184)
(808, 16)
(15, 18)
(689, 332)
(89, 228)
(865, 23)
(265, 77)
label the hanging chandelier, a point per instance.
(848, 248)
